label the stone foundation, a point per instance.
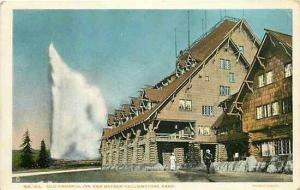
(276, 165)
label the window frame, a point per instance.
(231, 79)
(225, 64)
(183, 107)
(225, 89)
(290, 71)
(208, 110)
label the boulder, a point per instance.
(288, 168)
(261, 166)
(276, 165)
(251, 163)
(241, 166)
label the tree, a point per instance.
(26, 152)
(43, 159)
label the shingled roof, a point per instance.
(284, 38)
(201, 51)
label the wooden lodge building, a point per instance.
(263, 103)
(177, 114)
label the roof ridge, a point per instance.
(269, 30)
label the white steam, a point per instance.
(78, 113)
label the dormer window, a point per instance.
(241, 49)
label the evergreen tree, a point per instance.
(44, 159)
(26, 152)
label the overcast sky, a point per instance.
(118, 51)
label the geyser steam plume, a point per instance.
(78, 113)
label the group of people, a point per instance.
(207, 158)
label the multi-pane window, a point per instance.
(276, 147)
(275, 108)
(287, 105)
(224, 90)
(207, 110)
(267, 110)
(265, 79)
(185, 105)
(288, 70)
(241, 49)
(261, 80)
(204, 130)
(269, 77)
(225, 64)
(231, 77)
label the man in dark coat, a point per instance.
(207, 159)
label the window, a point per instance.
(207, 110)
(276, 147)
(225, 64)
(185, 105)
(275, 108)
(268, 148)
(241, 49)
(204, 130)
(231, 77)
(188, 105)
(261, 80)
(287, 105)
(259, 112)
(224, 90)
(288, 70)
(265, 79)
(206, 78)
(269, 77)
(267, 110)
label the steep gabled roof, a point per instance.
(136, 102)
(208, 47)
(126, 109)
(200, 50)
(110, 119)
(155, 95)
(284, 39)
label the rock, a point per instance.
(276, 165)
(241, 166)
(271, 168)
(288, 168)
(231, 166)
(251, 163)
(261, 166)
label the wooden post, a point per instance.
(103, 151)
(135, 146)
(125, 159)
(110, 161)
(117, 151)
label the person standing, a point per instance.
(172, 162)
(207, 159)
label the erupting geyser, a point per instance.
(78, 113)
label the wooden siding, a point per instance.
(281, 88)
(204, 92)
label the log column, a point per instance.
(253, 150)
(135, 146)
(103, 152)
(110, 159)
(127, 152)
(117, 151)
(151, 146)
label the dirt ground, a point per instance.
(154, 176)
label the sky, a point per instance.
(118, 51)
